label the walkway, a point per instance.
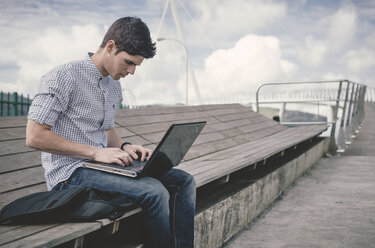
(333, 205)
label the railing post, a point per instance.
(22, 104)
(349, 121)
(341, 135)
(332, 149)
(282, 112)
(355, 111)
(1, 103)
(8, 104)
(15, 103)
(257, 100)
(28, 103)
(362, 109)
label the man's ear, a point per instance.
(110, 46)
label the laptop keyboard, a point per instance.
(135, 166)
(138, 164)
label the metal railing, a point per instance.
(346, 109)
(13, 104)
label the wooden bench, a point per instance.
(235, 137)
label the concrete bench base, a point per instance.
(217, 224)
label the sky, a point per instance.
(234, 45)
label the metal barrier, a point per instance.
(346, 109)
(13, 104)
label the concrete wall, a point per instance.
(223, 220)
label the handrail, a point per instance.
(352, 113)
(296, 82)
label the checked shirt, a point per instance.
(79, 104)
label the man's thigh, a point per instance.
(127, 186)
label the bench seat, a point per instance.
(235, 137)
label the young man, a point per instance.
(72, 119)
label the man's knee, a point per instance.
(155, 195)
(185, 180)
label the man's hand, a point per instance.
(137, 150)
(113, 155)
(118, 156)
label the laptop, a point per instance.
(168, 153)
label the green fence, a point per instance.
(13, 104)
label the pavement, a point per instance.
(332, 205)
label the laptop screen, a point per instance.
(179, 140)
(173, 147)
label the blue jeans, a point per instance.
(168, 203)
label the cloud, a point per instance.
(342, 28)
(336, 32)
(314, 52)
(225, 18)
(360, 60)
(333, 76)
(36, 57)
(227, 74)
(237, 71)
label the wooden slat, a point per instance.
(254, 151)
(205, 149)
(149, 128)
(247, 121)
(217, 106)
(54, 236)
(219, 126)
(257, 126)
(163, 126)
(106, 221)
(225, 111)
(23, 178)
(16, 121)
(208, 137)
(19, 232)
(231, 132)
(137, 120)
(12, 133)
(19, 161)
(124, 132)
(153, 111)
(247, 113)
(245, 149)
(13, 147)
(267, 132)
(137, 140)
(222, 165)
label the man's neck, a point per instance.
(97, 59)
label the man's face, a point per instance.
(121, 64)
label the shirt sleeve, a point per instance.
(52, 97)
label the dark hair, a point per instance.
(131, 35)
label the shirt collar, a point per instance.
(92, 67)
